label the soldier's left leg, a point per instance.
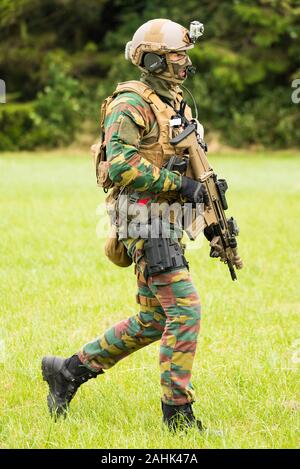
(181, 303)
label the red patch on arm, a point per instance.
(144, 201)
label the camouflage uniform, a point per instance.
(138, 127)
(169, 303)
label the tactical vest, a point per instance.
(157, 153)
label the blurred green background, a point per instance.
(60, 58)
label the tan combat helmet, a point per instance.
(152, 43)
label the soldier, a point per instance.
(137, 128)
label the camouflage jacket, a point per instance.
(130, 121)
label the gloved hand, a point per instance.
(194, 191)
(215, 242)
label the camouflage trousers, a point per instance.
(169, 311)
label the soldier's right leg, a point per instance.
(65, 376)
(129, 335)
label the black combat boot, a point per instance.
(64, 376)
(180, 417)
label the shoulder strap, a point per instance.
(147, 93)
(133, 86)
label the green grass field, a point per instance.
(58, 291)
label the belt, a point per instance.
(146, 301)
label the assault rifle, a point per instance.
(219, 230)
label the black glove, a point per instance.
(210, 234)
(194, 191)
